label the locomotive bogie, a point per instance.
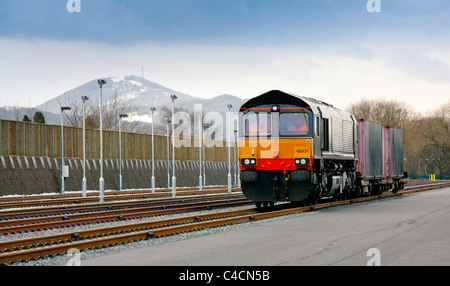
(275, 186)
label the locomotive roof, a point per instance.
(280, 97)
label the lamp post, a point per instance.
(229, 147)
(200, 136)
(168, 154)
(153, 109)
(101, 182)
(84, 181)
(205, 126)
(121, 116)
(174, 180)
(62, 147)
(238, 167)
(235, 157)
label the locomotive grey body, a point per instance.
(299, 149)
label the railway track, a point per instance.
(55, 200)
(48, 246)
(57, 221)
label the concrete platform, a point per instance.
(411, 230)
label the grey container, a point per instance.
(392, 153)
(370, 150)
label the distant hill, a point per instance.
(139, 93)
(17, 113)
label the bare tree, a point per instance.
(38, 117)
(165, 114)
(110, 111)
(435, 147)
(386, 112)
(26, 118)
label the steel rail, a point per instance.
(96, 194)
(89, 239)
(92, 207)
(60, 221)
(61, 200)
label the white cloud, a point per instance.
(35, 71)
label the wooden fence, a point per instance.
(20, 138)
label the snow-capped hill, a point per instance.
(139, 94)
(137, 91)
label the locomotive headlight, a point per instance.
(301, 162)
(248, 162)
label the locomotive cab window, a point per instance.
(294, 124)
(257, 124)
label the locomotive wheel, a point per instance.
(340, 197)
(312, 200)
(264, 205)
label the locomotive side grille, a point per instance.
(347, 137)
(336, 139)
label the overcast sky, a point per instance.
(332, 50)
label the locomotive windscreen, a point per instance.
(294, 124)
(257, 124)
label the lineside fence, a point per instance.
(19, 138)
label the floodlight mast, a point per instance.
(63, 108)
(168, 153)
(84, 181)
(153, 109)
(229, 148)
(121, 116)
(101, 182)
(174, 180)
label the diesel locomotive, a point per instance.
(299, 149)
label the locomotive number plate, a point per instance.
(302, 150)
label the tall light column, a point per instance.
(235, 157)
(84, 181)
(238, 165)
(200, 135)
(205, 126)
(168, 154)
(174, 180)
(152, 109)
(121, 116)
(229, 146)
(101, 182)
(62, 147)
